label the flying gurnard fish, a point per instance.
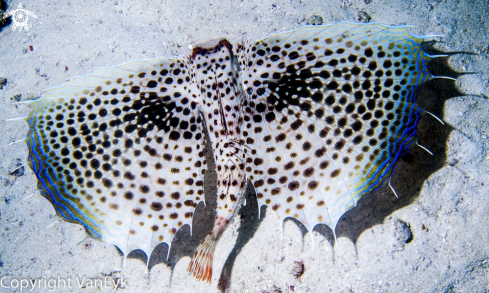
(314, 118)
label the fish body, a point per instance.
(314, 118)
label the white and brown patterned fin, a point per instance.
(120, 151)
(329, 110)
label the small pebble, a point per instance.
(16, 98)
(88, 245)
(453, 162)
(276, 289)
(297, 269)
(315, 20)
(15, 168)
(363, 17)
(367, 1)
(404, 231)
(3, 82)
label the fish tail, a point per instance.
(201, 264)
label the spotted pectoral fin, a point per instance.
(315, 170)
(330, 109)
(120, 151)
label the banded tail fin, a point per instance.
(201, 264)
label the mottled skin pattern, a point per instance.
(217, 80)
(314, 117)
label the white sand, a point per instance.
(446, 205)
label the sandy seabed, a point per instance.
(443, 198)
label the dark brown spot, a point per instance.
(289, 166)
(275, 191)
(175, 195)
(259, 183)
(312, 185)
(272, 171)
(156, 206)
(128, 195)
(308, 172)
(335, 173)
(294, 185)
